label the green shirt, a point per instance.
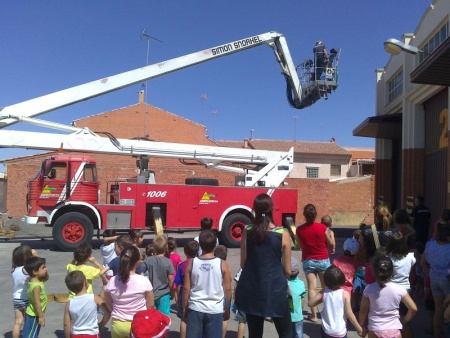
(31, 308)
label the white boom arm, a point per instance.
(273, 166)
(47, 103)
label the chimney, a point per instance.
(246, 143)
(141, 96)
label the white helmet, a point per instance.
(319, 43)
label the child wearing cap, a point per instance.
(297, 290)
(348, 263)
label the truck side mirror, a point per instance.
(52, 174)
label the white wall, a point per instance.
(323, 162)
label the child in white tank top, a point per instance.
(81, 310)
(336, 305)
(206, 285)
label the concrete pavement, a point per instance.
(40, 239)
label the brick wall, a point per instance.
(314, 191)
(348, 202)
(19, 172)
(352, 201)
(146, 120)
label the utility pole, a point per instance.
(295, 118)
(214, 114)
(203, 98)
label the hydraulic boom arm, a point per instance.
(47, 103)
(271, 167)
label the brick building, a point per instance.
(411, 123)
(148, 122)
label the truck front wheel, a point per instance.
(71, 230)
(232, 229)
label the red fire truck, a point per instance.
(65, 192)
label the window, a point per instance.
(57, 172)
(335, 170)
(395, 86)
(90, 173)
(434, 42)
(312, 172)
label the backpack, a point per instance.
(150, 323)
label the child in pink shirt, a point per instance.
(176, 260)
(381, 301)
(348, 263)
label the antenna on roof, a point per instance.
(145, 36)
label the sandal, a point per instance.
(311, 318)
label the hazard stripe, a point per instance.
(73, 183)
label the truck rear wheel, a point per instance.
(232, 228)
(71, 230)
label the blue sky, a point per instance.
(48, 46)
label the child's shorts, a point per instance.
(239, 316)
(315, 265)
(180, 309)
(163, 304)
(440, 287)
(120, 329)
(358, 284)
(387, 334)
(20, 304)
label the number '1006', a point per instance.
(156, 193)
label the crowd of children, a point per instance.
(377, 275)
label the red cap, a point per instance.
(150, 324)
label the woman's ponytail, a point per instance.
(128, 259)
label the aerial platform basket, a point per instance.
(316, 87)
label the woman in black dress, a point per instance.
(266, 263)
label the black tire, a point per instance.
(232, 229)
(71, 230)
(201, 181)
